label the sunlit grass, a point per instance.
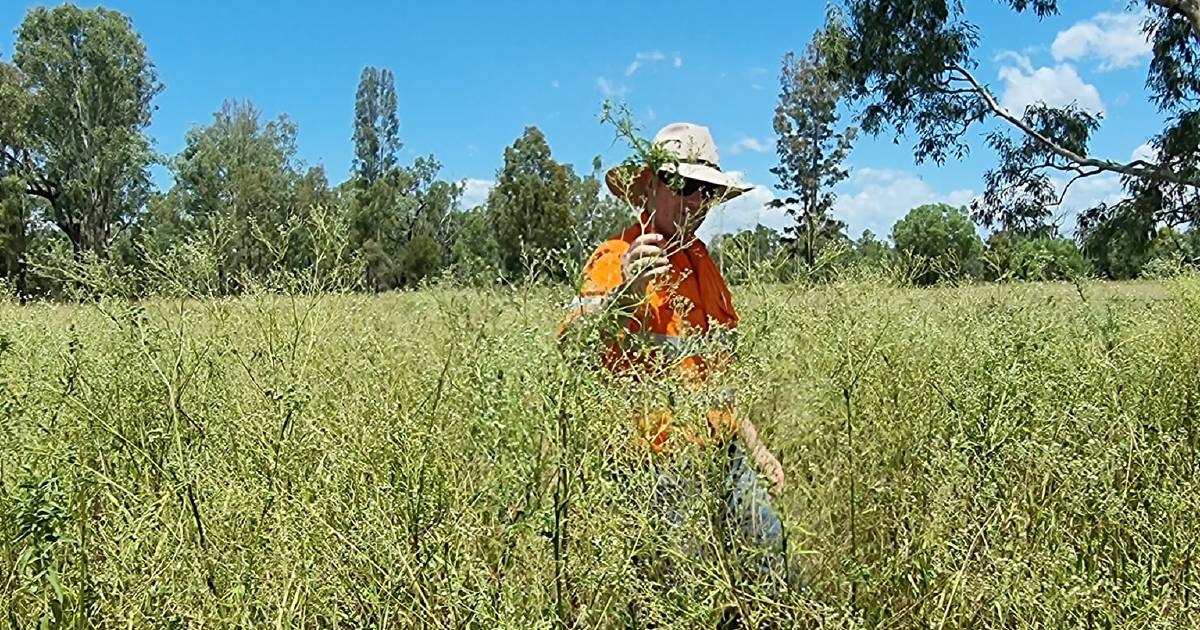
(1007, 455)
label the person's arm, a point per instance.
(762, 457)
(726, 419)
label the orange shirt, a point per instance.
(686, 308)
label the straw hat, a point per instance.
(695, 156)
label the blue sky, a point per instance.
(471, 76)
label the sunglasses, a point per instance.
(685, 187)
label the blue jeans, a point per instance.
(746, 515)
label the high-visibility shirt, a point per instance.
(686, 310)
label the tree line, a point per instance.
(940, 243)
(75, 158)
(77, 99)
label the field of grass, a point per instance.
(994, 456)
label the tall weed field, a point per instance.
(999, 456)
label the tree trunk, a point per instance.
(22, 264)
(75, 235)
(813, 195)
(812, 244)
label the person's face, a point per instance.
(679, 205)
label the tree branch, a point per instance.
(1137, 168)
(1082, 175)
(18, 164)
(34, 184)
(1066, 168)
(1190, 9)
(956, 91)
(32, 188)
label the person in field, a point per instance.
(663, 298)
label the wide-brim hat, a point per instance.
(694, 156)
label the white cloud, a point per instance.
(554, 84)
(1116, 39)
(750, 144)
(1091, 192)
(609, 90)
(872, 199)
(1144, 152)
(1056, 87)
(875, 198)
(1082, 195)
(678, 61)
(652, 56)
(475, 192)
(756, 86)
(651, 114)
(743, 213)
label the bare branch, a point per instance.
(1082, 175)
(956, 91)
(1137, 168)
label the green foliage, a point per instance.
(239, 186)
(999, 254)
(38, 524)
(910, 65)
(376, 125)
(1014, 256)
(15, 227)
(820, 239)
(811, 148)
(402, 223)
(475, 254)
(1020, 196)
(941, 243)
(531, 206)
(869, 249)
(76, 199)
(89, 85)
(758, 255)
(1119, 244)
(595, 215)
(1048, 258)
(421, 258)
(1171, 253)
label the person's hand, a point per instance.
(644, 261)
